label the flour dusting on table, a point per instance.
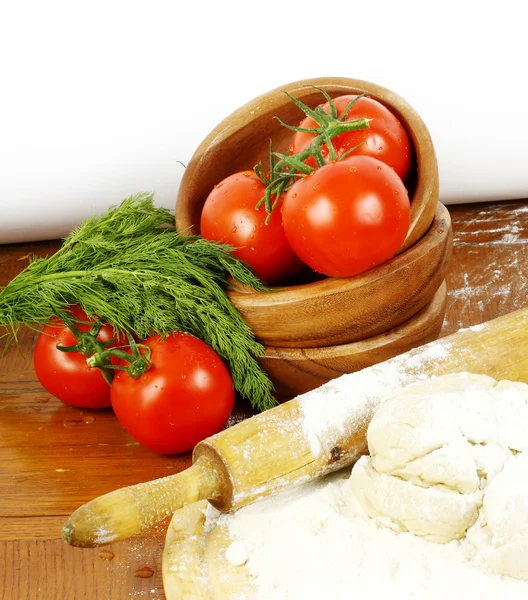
(501, 240)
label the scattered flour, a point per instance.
(236, 553)
(316, 543)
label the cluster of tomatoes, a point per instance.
(182, 368)
(345, 212)
(350, 213)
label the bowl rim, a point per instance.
(328, 285)
(437, 304)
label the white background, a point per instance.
(102, 99)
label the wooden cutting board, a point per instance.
(194, 563)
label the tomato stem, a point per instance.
(138, 363)
(285, 171)
(99, 354)
(88, 345)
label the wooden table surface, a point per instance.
(54, 458)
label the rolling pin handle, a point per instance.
(128, 511)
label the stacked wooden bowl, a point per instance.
(316, 331)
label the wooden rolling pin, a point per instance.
(309, 436)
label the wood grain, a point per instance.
(47, 570)
(298, 370)
(488, 277)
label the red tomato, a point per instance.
(385, 138)
(185, 396)
(229, 216)
(347, 216)
(66, 374)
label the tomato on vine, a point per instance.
(385, 138)
(342, 197)
(183, 396)
(229, 216)
(65, 373)
(347, 216)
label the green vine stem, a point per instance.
(88, 345)
(287, 169)
(138, 362)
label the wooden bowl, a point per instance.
(241, 140)
(298, 370)
(329, 311)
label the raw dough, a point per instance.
(444, 459)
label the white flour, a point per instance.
(312, 543)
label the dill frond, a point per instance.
(132, 269)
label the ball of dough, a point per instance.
(236, 553)
(435, 446)
(440, 515)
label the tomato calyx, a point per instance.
(138, 362)
(330, 126)
(88, 345)
(285, 171)
(99, 354)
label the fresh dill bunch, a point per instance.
(132, 269)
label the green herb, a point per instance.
(132, 269)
